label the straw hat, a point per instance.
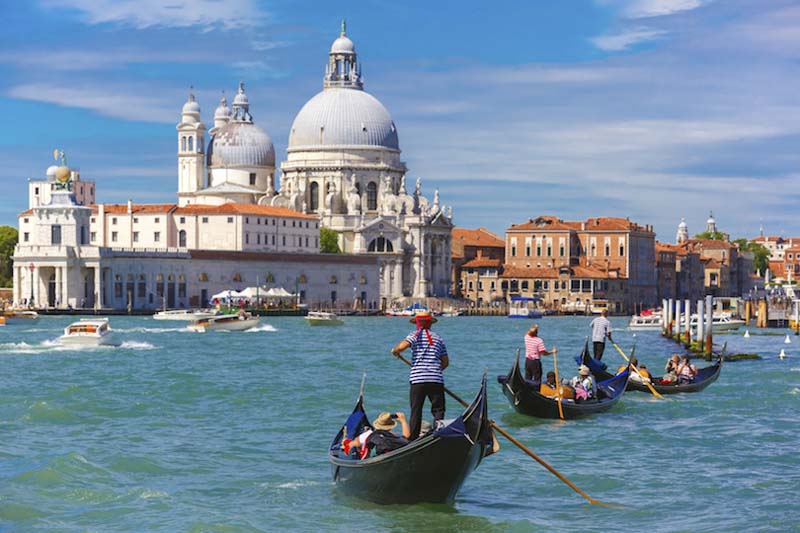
(583, 370)
(384, 421)
(423, 314)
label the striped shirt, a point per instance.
(533, 347)
(426, 359)
(601, 327)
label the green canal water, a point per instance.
(178, 431)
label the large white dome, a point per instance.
(240, 144)
(343, 117)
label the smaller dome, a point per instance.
(241, 99)
(222, 110)
(191, 107)
(240, 145)
(51, 171)
(343, 45)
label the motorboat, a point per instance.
(19, 317)
(719, 322)
(321, 318)
(184, 314)
(411, 310)
(88, 332)
(646, 322)
(237, 322)
(524, 307)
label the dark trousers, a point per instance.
(419, 391)
(599, 348)
(533, 370)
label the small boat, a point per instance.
(320, 318)
(238, 322)
(528, 399)
(719, 322)
(524, 307)
(429, 469)
(19, 317)
(705, 377)
(646, 322)
(88, 332)
(411, 310)
(184, 314)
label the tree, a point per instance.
(329, 241)
(760, 253)
(711, 235)
(8, 240)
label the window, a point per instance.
(273, 240)
(181, 286)
(158, 220)
(183, 220)
(135, 220)
(247, 238)
(113, 236)
(182, 238)
(191, 144)
(273, 221)
(284, 240)
(528, 250)
(92, 220)
(608, 249)
(561, 251)
(333, 280)
(539, 250)
(92, 236)
(114, 221)
(525, 285)
(513, 251)
(469, 286)
(314, 196)
(381, 244)
(293, 223)
(202, 277)
(205, 220)
(36, 191)
(246, 220)
(258, 238)
(549, 250)
(157, 236)
(622, 251)
(183, 144)
(25, 220)
(230, 220)
(26, 236)
(545, 285)
(258, 221)
(575, 285)
(252, 178)
(284, 223)
(372, 196)
(306, 242)
(135, 236)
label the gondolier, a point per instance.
(601, 330)
(428, 361)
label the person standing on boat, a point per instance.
(601, 330)
(534, 350)
(428, 361)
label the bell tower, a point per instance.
(191, 140)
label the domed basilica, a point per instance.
(343, 165)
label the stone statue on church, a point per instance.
(353, 198)
(331, 199)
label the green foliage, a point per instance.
(712, 235)
(329, 241)
(760, 253)
(8, 239)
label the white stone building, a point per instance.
(343, 171)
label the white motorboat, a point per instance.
(522, 307)
(238, 322)
(411, 310)
(19, 317)
(88, 332)
(184, 314)
(320, 318)
(646, 322)
(719, 322)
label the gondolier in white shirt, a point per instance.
(601, 330)
(429, 359)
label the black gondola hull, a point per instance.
(526, 400)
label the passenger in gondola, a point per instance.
(686, 371)
(671, 370)
(534, 350)
(642, 376)
(584, 385)
(381, 438)
(428, 361)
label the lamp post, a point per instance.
(31, 267)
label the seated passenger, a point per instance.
(381, 437)
(549, 390)
(642, 376)
(584, 385)
(671, 370)
(686, 371)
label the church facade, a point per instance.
(231, 225)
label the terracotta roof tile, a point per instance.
(242, 209)
(477, 237)
(140, 209)
(511, 271)
(480, 262)
(546, 223)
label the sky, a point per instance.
(655, 110)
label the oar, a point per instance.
(558, 384)
(644, 379)
(522, 447)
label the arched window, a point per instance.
(380, 244)
(203, 277)
(372, 196)
(191, 144)
(358, 189)
(182, 238)
(333, 279)
(314, 200)
(183, 143)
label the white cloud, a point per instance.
(110, 101)
(651, 8)
(75, 60)
(624, 40)
(228, 14)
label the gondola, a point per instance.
(705, 377)
(429, 469)
(526, 399)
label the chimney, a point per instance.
(130, 206)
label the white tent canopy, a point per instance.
(225, 295)
(279, 292)
(253, 292)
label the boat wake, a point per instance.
(137, 345)
(150, 330)
(265, 327)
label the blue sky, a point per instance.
(652, 109)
